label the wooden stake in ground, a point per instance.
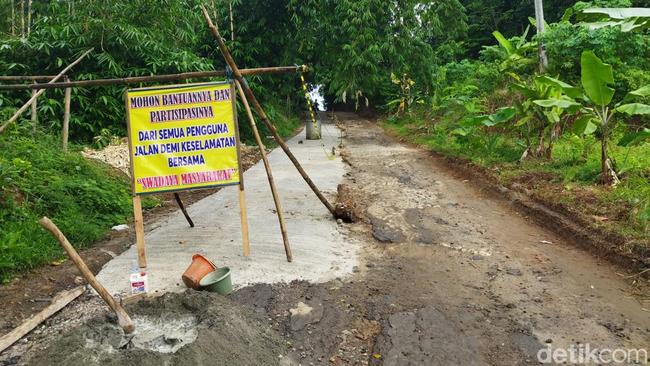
(243, 215)
(58, 302)
(34, 118)
(269, 173)
(66, 116)
(138, 222)
(260, 111)
(37, 94)
(122, 317)
(182, 207)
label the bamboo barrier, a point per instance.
(269, 173)
(37, 94)
(149, 79)
(26, 77)
(260, 111)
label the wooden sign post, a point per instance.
(183, 137)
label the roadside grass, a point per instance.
(84, 198)
(569, 179)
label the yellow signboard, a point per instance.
(182, 137)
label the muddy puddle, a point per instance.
(176, 329)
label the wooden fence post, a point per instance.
(66, 115)
(34, 106)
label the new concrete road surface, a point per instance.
(321, 250)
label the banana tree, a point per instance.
(543, 112)
(628, 19)
(469, 125)
(518, 51)
(597, 110)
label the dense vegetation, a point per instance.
(435, 67)
(575, 135)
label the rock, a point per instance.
(304, 314)
(78, 280)
(477, 257)
(121, 227)
(514, 271)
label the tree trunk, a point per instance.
(604, 171)
(29, 17)
(232, 23)
(539, 16)
(22, 18)
(13, 18)
(608, 174)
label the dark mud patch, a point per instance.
(384, 232)
(192, 328)
(425, 337)
(324, 324)
(574, 222)
(424, 224)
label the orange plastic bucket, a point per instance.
(199, 267)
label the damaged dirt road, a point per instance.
(449, 275)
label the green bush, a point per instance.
(37, 178)
(627, 52)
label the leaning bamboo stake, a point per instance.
(122, 317)
(260, 112)
(269, 173)
(66, 116)
(35, 96)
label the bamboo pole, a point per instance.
(27, 77)
(34, 117)
(66, 116)
(122, 317)
(269, 173)
(138, 223)
(13, 18)
(180, 204)
(243, 217)
(214, 10)
(148, 79)
(22, 18)
(260, 111)
(232, 22)
(243, 213)
(29, 17)
(29, 102)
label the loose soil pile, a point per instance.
(201, 327)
